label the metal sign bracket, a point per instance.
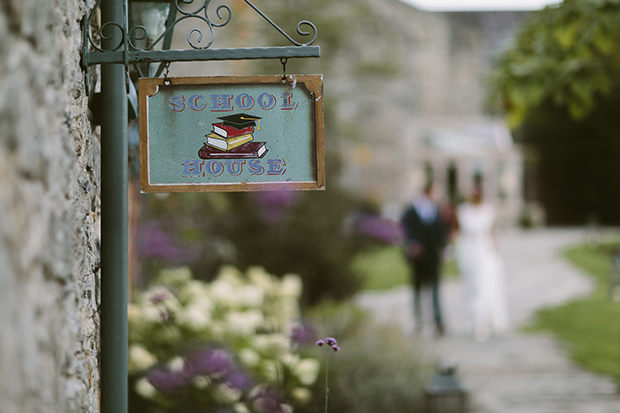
(115, 42)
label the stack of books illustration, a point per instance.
(233, 137)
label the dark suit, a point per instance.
(430, 235)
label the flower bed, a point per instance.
(232, 345)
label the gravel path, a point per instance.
(514, 372)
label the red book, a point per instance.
(247, 150)
(230, 131)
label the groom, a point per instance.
(425, 239)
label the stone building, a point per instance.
(49, 185)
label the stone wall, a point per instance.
(49, 185)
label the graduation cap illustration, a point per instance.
(241, 120)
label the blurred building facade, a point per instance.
(429, 115)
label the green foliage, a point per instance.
(382, 268)
(589, 325)
(567, 55)
(385, 267)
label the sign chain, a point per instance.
(283, 60)
(166, 79)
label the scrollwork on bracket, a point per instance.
(299, 31)
(109, 28)
(200, 14)
(195, 36)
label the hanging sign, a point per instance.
(231, 133)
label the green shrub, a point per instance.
(304, 233)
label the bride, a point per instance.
(481, 266)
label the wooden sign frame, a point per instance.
(305, 173)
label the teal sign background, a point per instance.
(179, 116)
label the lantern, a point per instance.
(444, 393)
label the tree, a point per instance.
(557, 85)
(568, 55)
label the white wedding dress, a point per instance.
(482, 269)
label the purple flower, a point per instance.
(320, 343)
(239, 380)
(156, 243)
(158, 298)
(167, 381)
(303, 334)
(269, 402)
(382, 229)
(210, 362)
(335, 347)
(282, 198)
(273, 204)
(331, 341)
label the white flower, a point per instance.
(258, 276)
(201, 382)
(175, 276)
(232, 275)
(289, 359)
(256, 390)
(248, 357)
(176, 364)
(192, 291)
(307, 371)
(246, 322)
(279, 343)
(301, 394)
(286, 408)
(225, 394)
(251, 296)
(145, 389)
(140, 358)
(195, 316)
(151, 314)
(223, 292)
(288, 311)
(240, 408)
(292, 286)
(272, 344)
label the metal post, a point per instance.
(113, 224)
